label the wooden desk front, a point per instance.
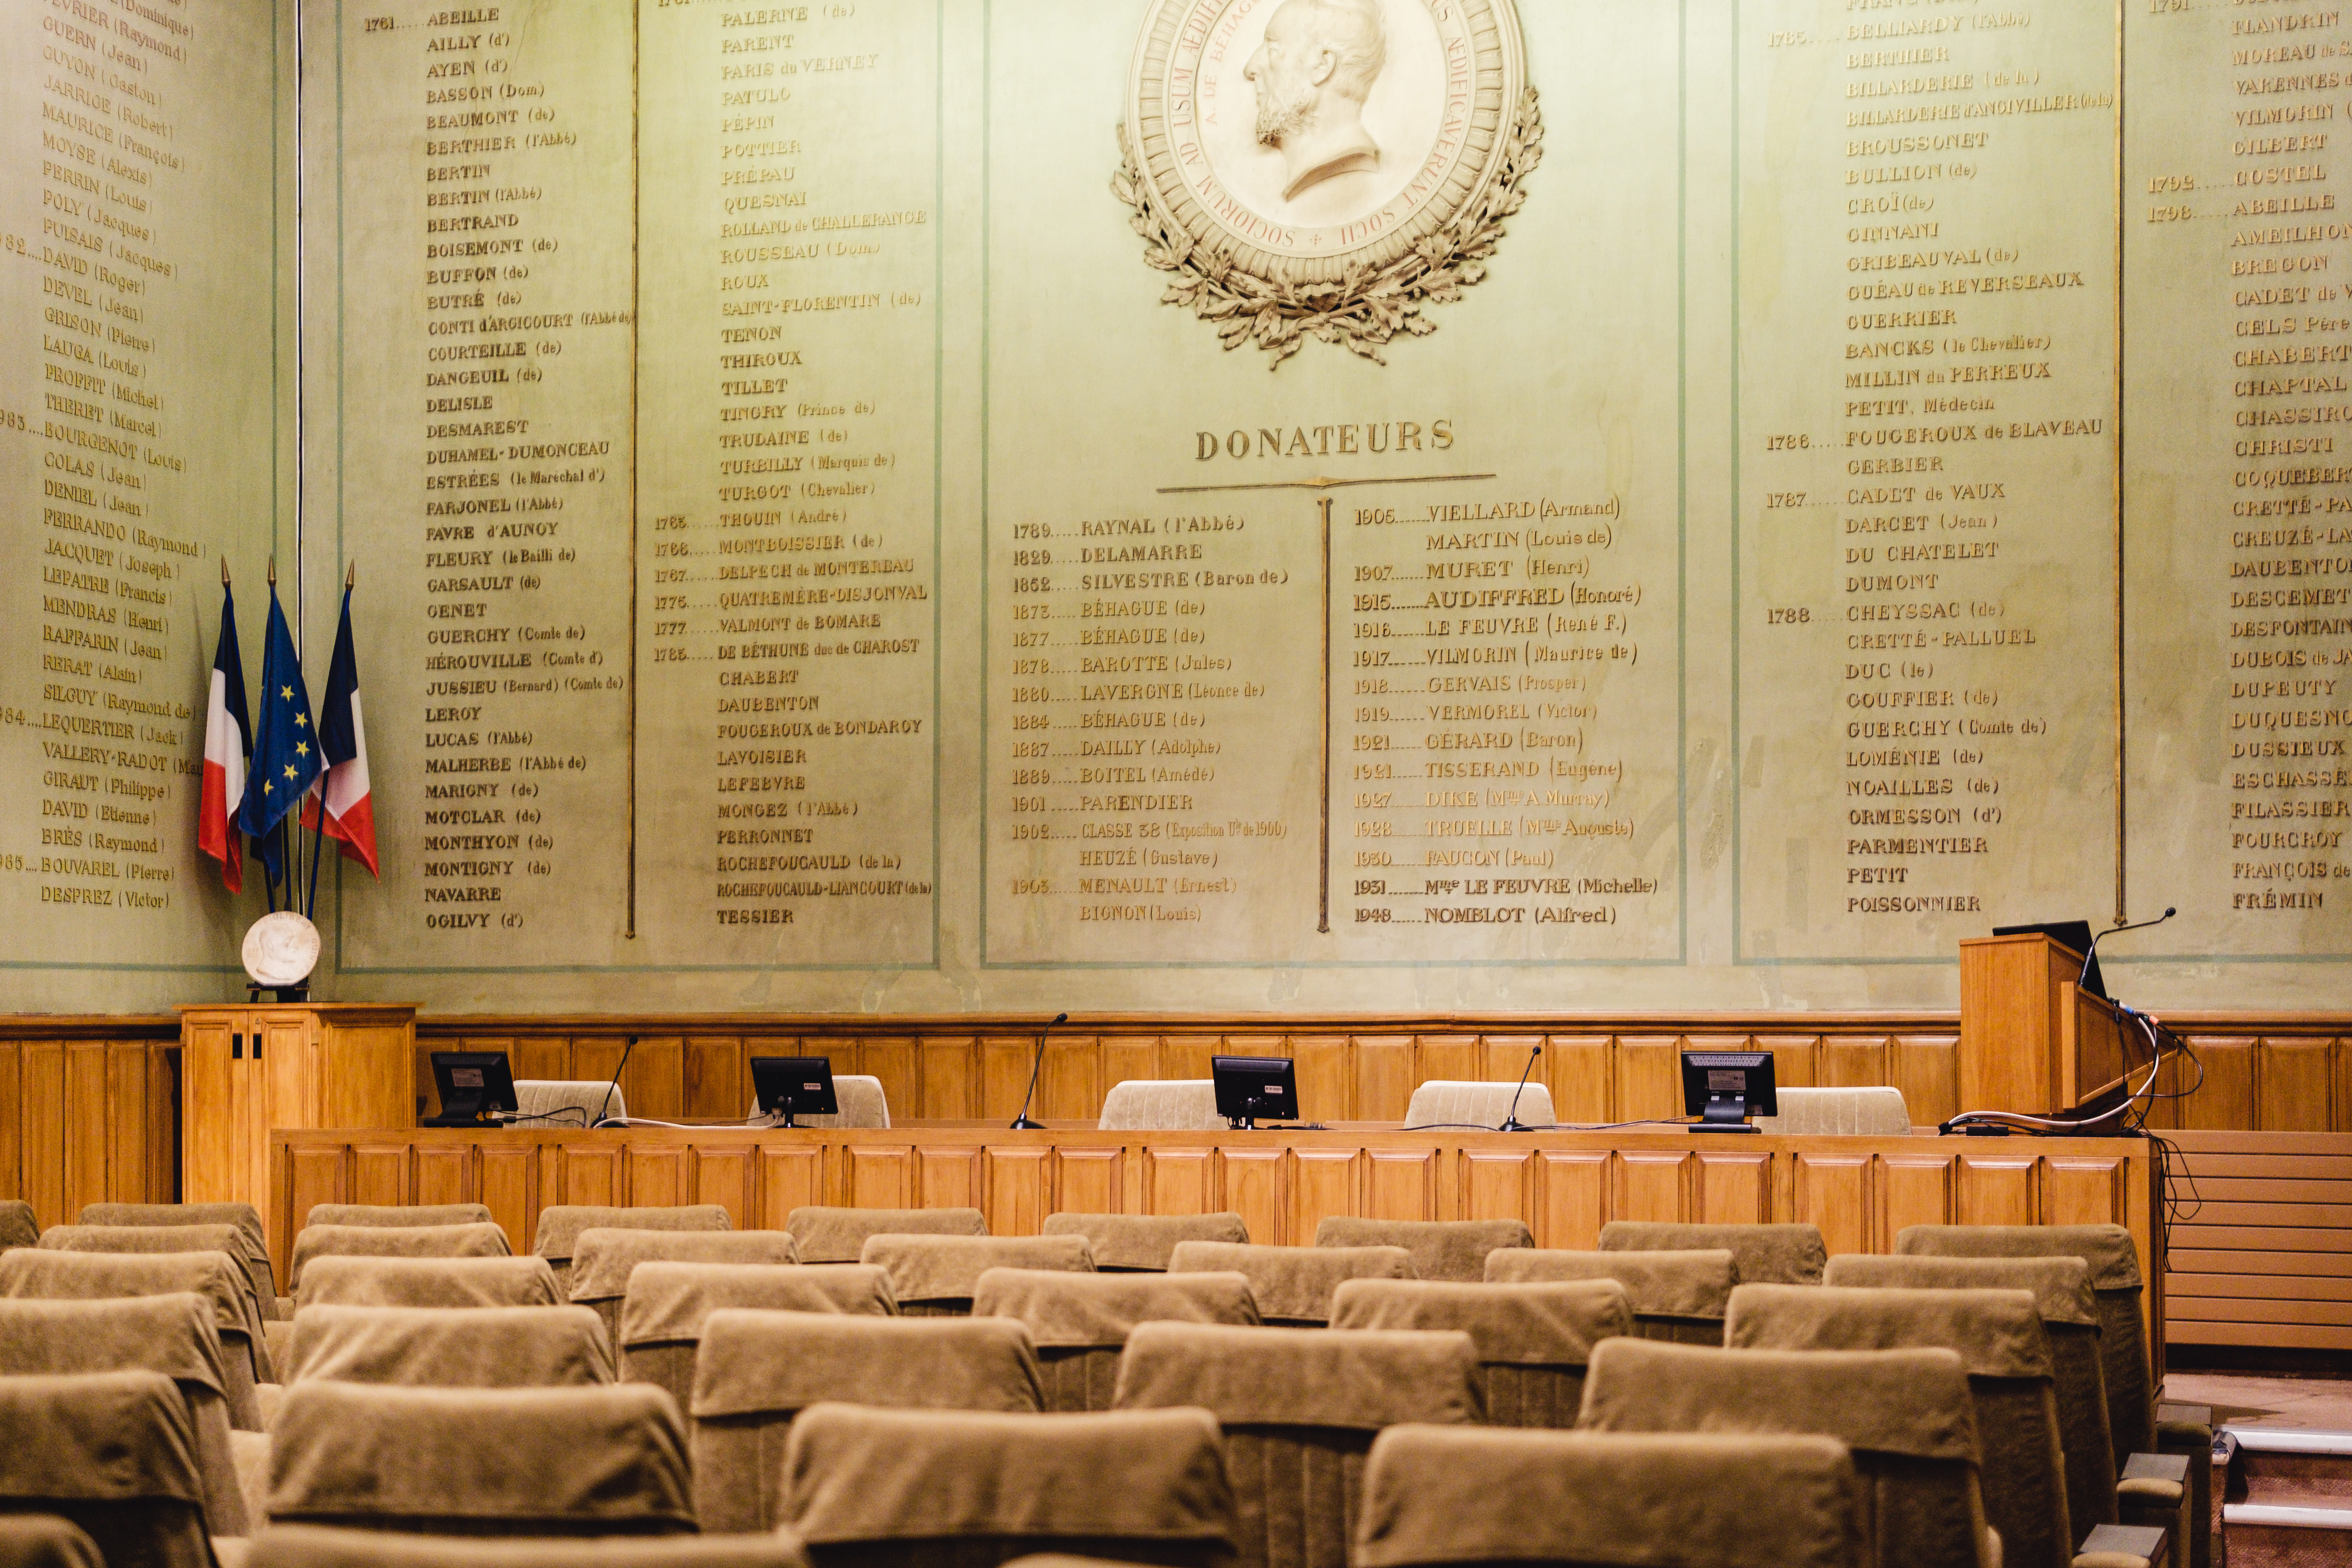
(1565, 1185)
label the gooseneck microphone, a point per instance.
(615, 1087)
(2092, 956)
(1511, 1123)
(1022, 1124)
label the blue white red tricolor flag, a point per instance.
(342, 742)
(227, 742)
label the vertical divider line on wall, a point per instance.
(2123, 773)
(1323, 885)
(636, 339)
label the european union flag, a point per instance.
(285, 745)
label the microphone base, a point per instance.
(1515, 1125)
(1023, 1124)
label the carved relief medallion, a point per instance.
(1325, 167)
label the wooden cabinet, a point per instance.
(246, 1070)
(2032, 1040)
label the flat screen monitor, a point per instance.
(1251, 1090)
(790, 1087)
(2075, 934)
(472, 1084)
(1724, 1089)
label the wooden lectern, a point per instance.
(2032, 1039)
(246, 1069)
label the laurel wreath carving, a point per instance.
(1361, 311)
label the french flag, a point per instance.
(229, 742)
(342, 746)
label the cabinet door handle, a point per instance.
(236, 1048)
(256, 1045)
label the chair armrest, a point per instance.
(2153, 1480)
(2124, 1546)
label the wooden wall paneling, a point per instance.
(1836, 1192)
(162, 1122)
(506, 1182)
(949, 1071)
(1327, 1076)
(655, 1082)
(2083, 1191)
(43, 1140)
(2343, 1086)
(1572, 1195)
(1004, 1075)
(1796, 1058)
(723, 1176)
(1926, 1069)
(1502, 1057)
(1648, 1077)
(12, 1118)
(1184, 1180)
(719, 1074)
(784, 1179)
(84, 1180)
(1498, 1184)
(1070, 1085)
(1730, 1187)
(2226, 1099)
(379, 1172)
(657, 1178)
(442, 1175)
(1998, 1189)
(2295, 1082)
(593, 1174)
(879, 1177)
(313, 1177)
(1385, 1077)
(949, 1179)
(1126, 1057)
(1580, 1069)
(893, 1061)
(129, 1115)
(1650, 1184)
(1853, 1061)
(1914, 1191)
(1018, 1190)
(1400, 1183)
(1089, 1180)
(589, 1059)
(1255, 1184)
(1323, 1183)
(1452, 1057)
(1187, 1055)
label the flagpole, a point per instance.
(319, 838)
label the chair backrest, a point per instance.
(1590, 1498)
(604, 1259)
(758, 1370)
(870, 1489)
(1906, 1415)
(1142, 1242)
(1872, 1112)
(336, 1281)
(2002, 1344)
(114, 1454)
(1533, 1341)
(46, 1541)
(2117, 1285)
(233, 1241)
(826, 1235)
(1442, 1102)
(34, 1273)
(568, 1102)
(1676, 1296)
(173, 1335)
(482, 1240)
(244, 1218)
(398, 1214)
(861, 1100)
(459, 1461)
(667, 1304)
(19, 1227)
(1761, 1254)
(557, 1237)
(1080, 1323)
(935, 1276)
(1161, 1105)
(1292, 1285)
(318, 1546)
(2062, 1294)
(1298, 1412)
(450, 1347)
(1439, 1248)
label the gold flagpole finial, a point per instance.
(273, 570)
(351, 574)
(224, 571)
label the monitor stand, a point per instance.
(465, 1113)
(1724, 1113)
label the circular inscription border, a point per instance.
(1356, 284)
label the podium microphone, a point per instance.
(1022, 1124)
(2092, 957)
(1511, 1123)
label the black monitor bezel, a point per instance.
(1241, 1084)
(1695, 1093)
(497, 1087)
(827, 1102)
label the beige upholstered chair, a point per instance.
(1161, 1105)
(566, 1102)
(1439, 1248)
(1292, 1285)
(899, 1489)
(558, 1228)
(1589, 1498)
(1675, 1296)
(2002, 1344)
(233, 1241)
(1875, 1113)
(481, 1240)
(31, 1273)
(1533, 1341)
(469, 1461)
(310, 1546)
(935, 1276)
(244, 1218)
(173, 1335)
(398, 1214)
(1457, 1103)
(1761, 1254)
(335, 1281)
(667, 1304)
(758, 1370)
(861, 1100)
(112, 1453)
(450, 1347)
(1299, 1411)
(18, 1225)
(1906, 1415)
(45, 1541)
(604, 1259)
(1080, 1323)
(828, 1235)
(1127, 1243)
